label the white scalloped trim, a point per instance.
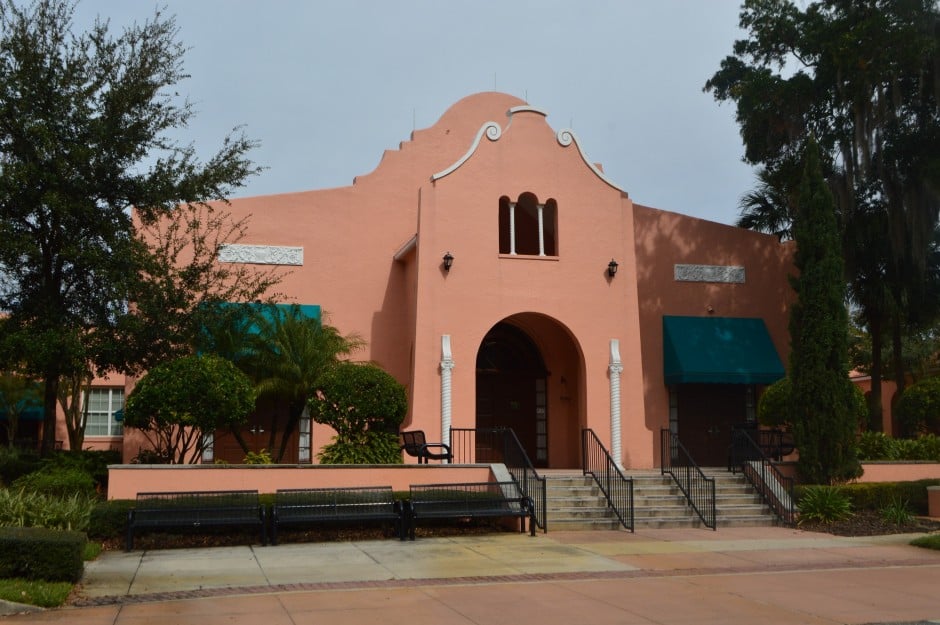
(566, 137)
(493, 132)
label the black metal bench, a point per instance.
(300, 506)
(468, 501)
(416, 445)
(196, 509)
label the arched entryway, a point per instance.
(528, 372)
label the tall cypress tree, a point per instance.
(822, 404)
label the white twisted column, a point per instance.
(447, 364)
(615, 368)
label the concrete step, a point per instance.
(576, 502)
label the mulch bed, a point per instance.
(870, 523)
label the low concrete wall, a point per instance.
(899, 471)
(126, 480)
(883, 471)
(933, 501)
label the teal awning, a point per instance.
(30, 413)
(719, 350)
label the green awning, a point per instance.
(719, 350)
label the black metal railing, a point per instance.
(617, 488)
(775, 488)
(699, 489)
(501, 445)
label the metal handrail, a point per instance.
(699, 489)
(501, 445)
(617, 488)
(775, 488)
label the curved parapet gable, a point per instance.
(566, 137)
(493, 132)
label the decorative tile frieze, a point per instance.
(261, 254)
(729, 274)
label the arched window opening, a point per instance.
(527, 227)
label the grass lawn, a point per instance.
(929, 542)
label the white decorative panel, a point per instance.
(709, 273)
(261, 254)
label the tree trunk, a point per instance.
(875, 415)
(900, 380)
(50, 401)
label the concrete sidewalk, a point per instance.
(735, 575)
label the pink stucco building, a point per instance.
(496, 271)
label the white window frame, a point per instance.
(115, 428)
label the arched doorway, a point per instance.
(512, 388)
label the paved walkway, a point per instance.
(732, 576)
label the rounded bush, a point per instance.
(365, 405)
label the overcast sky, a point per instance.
(327, 86)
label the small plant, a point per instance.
(824, 504)
(260, 457)
(19, 508)
(897, 512)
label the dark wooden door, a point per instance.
(706, 415)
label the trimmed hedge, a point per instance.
(878, 495)
(37, 553)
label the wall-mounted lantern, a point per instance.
(448, 260)
(612, 268)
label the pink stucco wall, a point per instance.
(125, 481)
(899, 471)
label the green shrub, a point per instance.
(39, 553)
(52, 480)
(876, 446)
(93, 462)
(918, 408)
(824, 504)
(880, 446)
(877, 495)
(108, 519)
(15, 463)
(928, 447)
(20, 508)
(365, 448)
(773, 407)
(365, 405)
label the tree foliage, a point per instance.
(863, 79)
(176, 403)
(822, 405)
(365, 405)
(918, 408)
(284, 352)
(773, 407)
(17, 393)
(86, 132)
